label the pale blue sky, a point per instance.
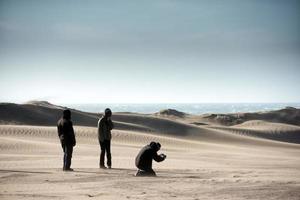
(158, 51)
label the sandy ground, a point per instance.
(210, 168)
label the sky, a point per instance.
(158, 51)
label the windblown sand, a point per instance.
(31, 162)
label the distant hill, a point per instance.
(171, 113)
(288, 115)
(44, 104)
(40, 113)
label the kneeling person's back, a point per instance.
(144, 158)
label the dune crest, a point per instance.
(208, 128)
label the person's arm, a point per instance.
(72, 134)
(111, 124)
(159, 158)
(100, 130)
(60, 131)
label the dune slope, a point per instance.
(46, 114)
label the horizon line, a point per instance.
(137, 103)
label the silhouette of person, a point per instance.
(67, 138)
(105, 125)
(143, 160)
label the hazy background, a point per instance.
(163, 51)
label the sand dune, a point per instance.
(46, 114)
(287, 115)
(171, 113)
(205, 160)
(268, 130)
(31, 159)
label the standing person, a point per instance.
(143, 160)
(67, 138)
(105, 125)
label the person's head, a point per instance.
(155, 145)
(67, 114)
(107, 113)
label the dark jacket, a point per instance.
(104, 129)
(66, 132)
(143, 160)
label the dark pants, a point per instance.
(105, 148)
(68, 151)
(148, 172)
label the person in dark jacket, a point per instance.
(105, 125)
(143, 160)
(67, 138)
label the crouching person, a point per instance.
(143, 160)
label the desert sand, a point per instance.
(252, 159)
